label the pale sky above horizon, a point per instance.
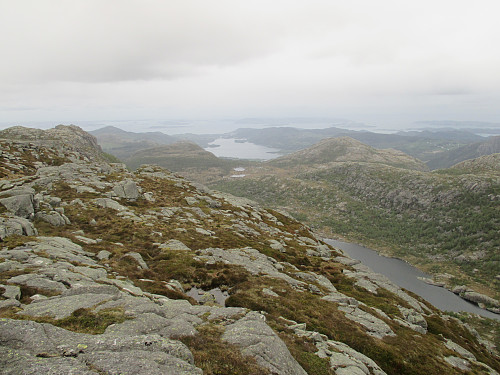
(378, 62)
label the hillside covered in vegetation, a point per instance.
(105, 271)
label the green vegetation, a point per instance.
(216, 357)
(441, 221)
(81, 320)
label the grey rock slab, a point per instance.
(174, 245)
(11, 291)
(153, 343)
(138, 258)
(353, 355)
(457, 362)
(458, 349)
(178, 328)
(479, 298)
(138, 362)
(103, 255)
(16, 362)
(414, 318)
(350, 370)
(109, 203)
(257, 339)
(62, 249)
(9, 303)
(17, 254)
(269, 292)
(10, 265)
(91, 289)
(375, 326)
(19, 205)
(341, 298)
(34, 281)
(92, 273)
(126, 286)
(127, 189)
(151, 323)
(172, 308)
(347, 261)
(225, 313)
(54, 218)
(16, 226)
(86, 240)
(340, 361)
(62, 307)
(26, 335)
(133, 306)
(252, 260)
(27, 347)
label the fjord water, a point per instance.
(406, 276)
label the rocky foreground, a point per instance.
(104, 271)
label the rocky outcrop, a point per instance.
(127, 189)
(477, 298)
(258, 340)
(10, 226)
(30, 347)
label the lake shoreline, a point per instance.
(441, 297)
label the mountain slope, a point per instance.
(446, 222)
(106, 271)
(345, 149)
(449, 158)
(122, 144)
(187, 158)
(482, 164)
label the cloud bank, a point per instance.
(87, 59)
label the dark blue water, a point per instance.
(404, 275)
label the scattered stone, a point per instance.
(127, 189)
(138, 258)
(174, 245)
(191, 201)
(103, 255)
(415, 320)
(62, 307)
(11, 291)
(375, 326)
(269, 292)
(110, 203)
(460, 350)
(16, 226)
(19, 205)
(457, 362)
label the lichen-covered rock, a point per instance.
(19, 226)
(257, 339)
(127, 189)
(27, 348)
(138, 258)
(54, 218)
(20, 205)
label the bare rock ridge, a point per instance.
(104, 271)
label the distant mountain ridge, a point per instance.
(490, 145)
(122, 144)
(343, 149)
(437, 148)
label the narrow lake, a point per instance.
(406, 276)
(241, 149)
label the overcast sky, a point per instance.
(374, 61)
